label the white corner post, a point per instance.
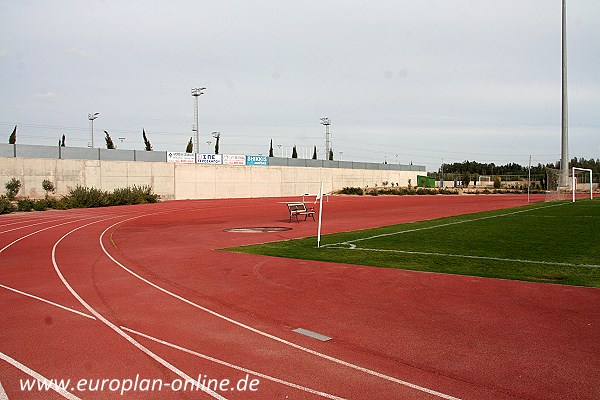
(320, 216)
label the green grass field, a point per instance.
(543, 242)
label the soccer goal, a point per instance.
(582, 181)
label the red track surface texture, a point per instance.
(141, 293)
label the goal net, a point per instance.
(581, 183)
(554, 192)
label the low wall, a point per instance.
(189, 181)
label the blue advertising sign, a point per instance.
(257, 160)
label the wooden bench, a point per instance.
(296, 209)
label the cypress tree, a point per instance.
(109, 142)
(294, 152)
(190, 147)
(146, 141)
(13, 136)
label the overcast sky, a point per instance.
(405, 81)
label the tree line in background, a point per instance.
(474, 168)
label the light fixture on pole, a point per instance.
(280, 150)
(196, 92)
(341, 152)
(326, 121)
(92, 117)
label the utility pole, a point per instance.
(196, 92)
(564, 152)
(326, 121)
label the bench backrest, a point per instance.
(296, 207)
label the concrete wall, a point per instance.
(189, 181)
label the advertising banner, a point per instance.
(257, 160)
(209, 159)
(230, 159)
(180, 157)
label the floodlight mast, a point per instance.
(196, 92)
(92, 117)
(326, 121)
(564, 153)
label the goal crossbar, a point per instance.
(575, 181)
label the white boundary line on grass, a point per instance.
(353, 247)
(440, 226)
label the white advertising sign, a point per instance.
(234, 159)
(179, 157)
(209, 159)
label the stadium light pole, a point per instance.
(196, 92)
(92, 117)
(326, 121)
(564, 155)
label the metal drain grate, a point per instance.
(311, 334)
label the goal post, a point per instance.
(574, 185)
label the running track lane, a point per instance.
(457, 335)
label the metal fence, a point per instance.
(85, 153)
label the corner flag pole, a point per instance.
(320, 215)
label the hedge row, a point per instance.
(82, 197)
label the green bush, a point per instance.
(497, 182)
(353, 190)
(40, 205)
(12, 188)
(133, 195)
(48, 186)
(24, 205)
(56, 204)
(6, 206)
(82, 197)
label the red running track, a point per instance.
(118, 293)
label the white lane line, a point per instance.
(25, 220)
(42, 230)
(268, 335)
(442, 225)
(51, 385)
(118, 330)
(3, 395)
(47, 301)
(27, 226)
(516, 260)
(233, 366)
